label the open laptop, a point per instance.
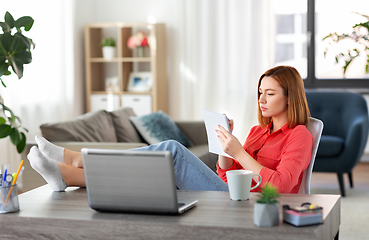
(131, 181)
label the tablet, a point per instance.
(212, 120)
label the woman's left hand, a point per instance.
(230, 143)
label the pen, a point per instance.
(6, 171)
(14, 181)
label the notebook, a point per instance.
(212, 120)
(132, 181)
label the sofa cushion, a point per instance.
(158, 127)
(330, 146)
(90, 127)
(124, 129)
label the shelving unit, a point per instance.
(125, 62)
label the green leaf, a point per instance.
(26, 41)
(5, 27)
(5, 130)
(26, 22)
(268, 195)
(22, 144)
(17, 44)
(17, 66)
(24, 57)
(2, 56)
(2, 83)
(3, 68)
(9, 19)
(15, 136)
(6, 39)
(2, 121)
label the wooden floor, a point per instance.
(360, 177)
(354, 206)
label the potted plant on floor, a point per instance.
(360, 36)
(15, 51)
(108, 48)
(266, 208)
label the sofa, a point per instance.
(118, 130)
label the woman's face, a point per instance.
(272, 100)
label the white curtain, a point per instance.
(46, 92)
(225, 45)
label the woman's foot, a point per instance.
(50, 150)
(59, 154)
(47, 168)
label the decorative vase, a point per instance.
(266, 215)
(108, 52)
(140, 51)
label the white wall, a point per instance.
(163, 11)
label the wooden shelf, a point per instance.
(99, 69)
(126, 59)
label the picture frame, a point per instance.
(112, 84)
(139, 82)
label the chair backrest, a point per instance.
(338, 109)
(315, 127)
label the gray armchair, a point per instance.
(345, 118)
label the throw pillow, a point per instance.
(90, 127)
(124, 129)
(158, 127)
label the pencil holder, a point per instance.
(9, 199)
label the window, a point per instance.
(295, 46)
(291, 34)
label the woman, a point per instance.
(278, 149)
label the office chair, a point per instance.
(315, 127)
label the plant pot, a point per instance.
(108, 52)
(266, 215)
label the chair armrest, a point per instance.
(194, 130)
(356, 140)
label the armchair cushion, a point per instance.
(330, 146)
(90, 127)
(157, 127)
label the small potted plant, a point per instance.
(108, 48)
(266, 208)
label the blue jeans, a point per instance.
(190, 172)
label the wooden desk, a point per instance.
(46, 214)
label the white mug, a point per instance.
(239, 183)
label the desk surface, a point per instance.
(49, 214)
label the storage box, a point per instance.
(141, 104)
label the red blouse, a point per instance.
(285, 154)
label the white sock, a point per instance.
(50, 150)
(47, 168)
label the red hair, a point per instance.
(293, 87)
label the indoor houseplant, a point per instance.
(266, 208)
(15, 51)
(108, 47)
(360, 36)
